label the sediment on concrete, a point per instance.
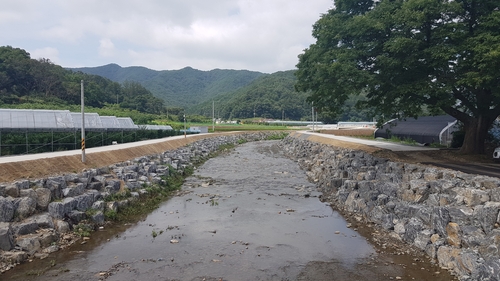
(452, 216)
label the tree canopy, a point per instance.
(408, 56)
(23, 79)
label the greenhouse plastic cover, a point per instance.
(36, 120)
(64, 120)
(110, 122)
(126, 123)
(157, 127)
(92, 121)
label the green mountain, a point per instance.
(269, 96)
(178, 88)
(41, 84)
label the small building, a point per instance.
(201, 129)
(424, 130)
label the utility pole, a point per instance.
(213, 116)
(83, 122)
(312, 103)
(184, 125)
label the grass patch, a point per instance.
(118, 196)
(277, 136)
(83, 229)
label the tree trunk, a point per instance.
(476, 131)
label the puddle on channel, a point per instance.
(248, 215)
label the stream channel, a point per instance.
(249, 214)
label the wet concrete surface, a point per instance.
(247, 215)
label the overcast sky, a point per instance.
(258, 35)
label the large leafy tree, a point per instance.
(408, 56)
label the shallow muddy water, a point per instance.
(248, 215)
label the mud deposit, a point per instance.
(248, 215)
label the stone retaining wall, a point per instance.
(452, 216)
(36, 215)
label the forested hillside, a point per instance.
(269, 96)
(182, 88)
(24, 80)
(237, 94)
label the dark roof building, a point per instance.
(424, 130)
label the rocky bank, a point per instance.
(452, 216)
(37, 217)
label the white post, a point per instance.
(184, 125)
(213, 116)
(83, 123)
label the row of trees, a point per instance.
(23, 79)
(407, 57)
(273, 96)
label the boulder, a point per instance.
(43, 220)
(486, 216)
(113, 186)
(62, 226)
(76, 216)
(440, 218)
(96, 185)
(74, 178)
(112, 206)
(27, 193)
(98, 218)
(55, 188)
(23, 184)
(84, 202)
(29, 243)
(412, 229)
(423, 239)
(472, 236)
(6, 209)
(6, 238)
(11, 190)
(453, 232)
(26, 206)
(99, 205)
(485, 271)
(474, 197)
(43, 198)
(73, 190)
(24, 228)
(122, 204)
(59, 210)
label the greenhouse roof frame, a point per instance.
(40, 120)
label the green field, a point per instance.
(230, 127)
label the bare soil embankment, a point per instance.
(73, 164)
